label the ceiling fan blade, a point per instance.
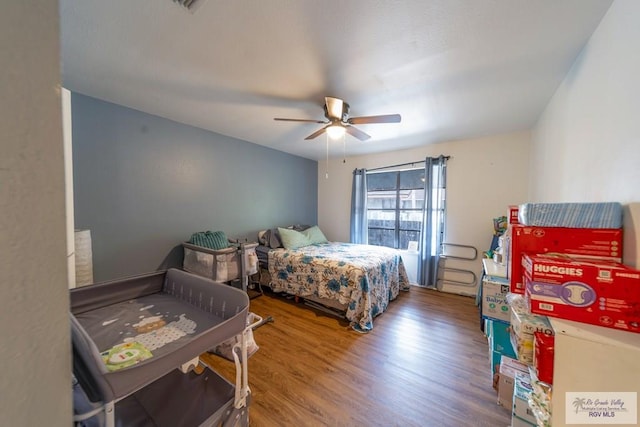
(334, 107)
(318, 132)
(386, 118)
(357, 133)
(299, 120)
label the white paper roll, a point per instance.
(84, 258)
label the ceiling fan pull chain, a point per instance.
(344, 149)
(326, 170)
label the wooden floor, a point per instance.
(424, 364)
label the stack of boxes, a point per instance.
(508, 356)
(493, 307)
(497, 326)
(564, 261)
(525, 327)
(593, 243)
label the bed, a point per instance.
(359, 280)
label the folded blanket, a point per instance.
(213, 240)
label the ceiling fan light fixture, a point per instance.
(336, 131)
(338, 121)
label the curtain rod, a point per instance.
(402, 164)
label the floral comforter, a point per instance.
(362, 277)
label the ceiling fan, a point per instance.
(338, 121)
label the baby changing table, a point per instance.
(136, 346)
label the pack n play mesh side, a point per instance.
(221, 265)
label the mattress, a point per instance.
(571, 215)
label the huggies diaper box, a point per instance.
(584, 242)
(598, 292)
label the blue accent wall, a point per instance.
(143, 184)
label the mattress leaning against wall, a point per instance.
(571, 215)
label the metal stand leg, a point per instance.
(264, 321)
(245, 282)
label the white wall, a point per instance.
(34, 301)
(68, 184)
(586, 144)
(587, 141)
(484, 176)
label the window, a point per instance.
(395, 202)
(401, 208)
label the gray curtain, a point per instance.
(359, 232)
(435, 170)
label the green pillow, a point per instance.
(292, 239)
(315, 235)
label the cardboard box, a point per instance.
(543, 351)
(499, 338)
(508, 369)
(586, 242)
(494, 302)
(512, 214)
(598, 292)
(499, 344)
(521, 391)
(523, 325)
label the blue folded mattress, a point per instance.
(572, 215)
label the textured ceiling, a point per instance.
(452, 69)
